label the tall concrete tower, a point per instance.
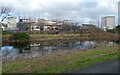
(119, 13)
(108, 22)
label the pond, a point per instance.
(19, 51)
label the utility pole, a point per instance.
(98, 24)
(99, 29)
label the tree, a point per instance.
(117, 29)
(4, 12)
(21, 36)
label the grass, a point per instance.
(62, 62)
(34, 37)
(47, 35)
(53, 35)
(5, 33)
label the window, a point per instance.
(37, 27)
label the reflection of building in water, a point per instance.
(25, 50)
(87, 45)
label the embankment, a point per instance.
(62, 62)
(67, 37)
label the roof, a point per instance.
(88, 25)
(108, 17)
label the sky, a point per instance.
(82, 11)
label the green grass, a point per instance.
(21, 36)
(62, 62)
(5, 33)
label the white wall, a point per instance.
(108, 22)
(12, 25)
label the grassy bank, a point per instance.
(43, 36)
(57, 37)
(48, 35)
(62, 62)
(52, 35)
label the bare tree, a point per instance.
(4, 12)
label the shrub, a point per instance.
(5, 32)
(21, 36)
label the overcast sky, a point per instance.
(82, 11)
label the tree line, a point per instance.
(115, 30)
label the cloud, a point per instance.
(84, 11)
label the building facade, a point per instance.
(21, 26)
(41, 26)
(119, 13)
(107, 22)
(11, 23)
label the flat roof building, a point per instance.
(119, 13)
(108, 22)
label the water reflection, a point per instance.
(27, 50)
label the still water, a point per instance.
(29, 50)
